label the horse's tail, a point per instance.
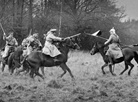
(136, 56)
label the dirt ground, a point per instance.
(90, 84)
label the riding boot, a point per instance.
(110, 60)
(24, 59)
(56, 60)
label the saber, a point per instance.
(73, 35)
(97, 34)
(2, 28)
(30, 32)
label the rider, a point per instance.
(114, 50)
(49, 47)
(27, 44)
(10, 43)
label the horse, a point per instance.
(13, 60)
(128, 55)
(38, 59)
(4, 61)
(35, 47)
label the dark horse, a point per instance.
(37, 59)
(128, 55)
(4, 61)
(13, 60)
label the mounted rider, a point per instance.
(31, 43)
(11, 42)
(114, 51)
(27, 43)
(49, 47)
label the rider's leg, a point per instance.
(26, 53)
(5, 54)
(6, 51)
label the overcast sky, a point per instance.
(131, 7)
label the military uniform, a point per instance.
(114, 50)
(10, 42)
(26, 42)
(49, 47)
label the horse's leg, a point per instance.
(66, 68)
(113, 68)
(3, 66)
(42, 70)
(110, 68)
(12, 70)
(103, 68)
(131, 67)
(32, 73)
(21, 70)
(37, 73)
(126, 67)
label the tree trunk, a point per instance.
(30, 25)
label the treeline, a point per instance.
(68, 16)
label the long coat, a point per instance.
(114, 50)
(26, 42)
(49, 48)
(10, 41)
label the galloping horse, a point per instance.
(4, 61)
(38, 59)
(13, 60)
(128, 55)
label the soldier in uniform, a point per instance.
(27, 44)
(10, 43)
(114, 51)
(49, 47)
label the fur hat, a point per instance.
(53, 30)
(112, 30)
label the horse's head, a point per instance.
(97, 47)
(76, 40)
(70, 44)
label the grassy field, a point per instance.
(90, 84)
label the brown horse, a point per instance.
(38, 59)
(15, 58)
(4, 61)
(128, 55)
